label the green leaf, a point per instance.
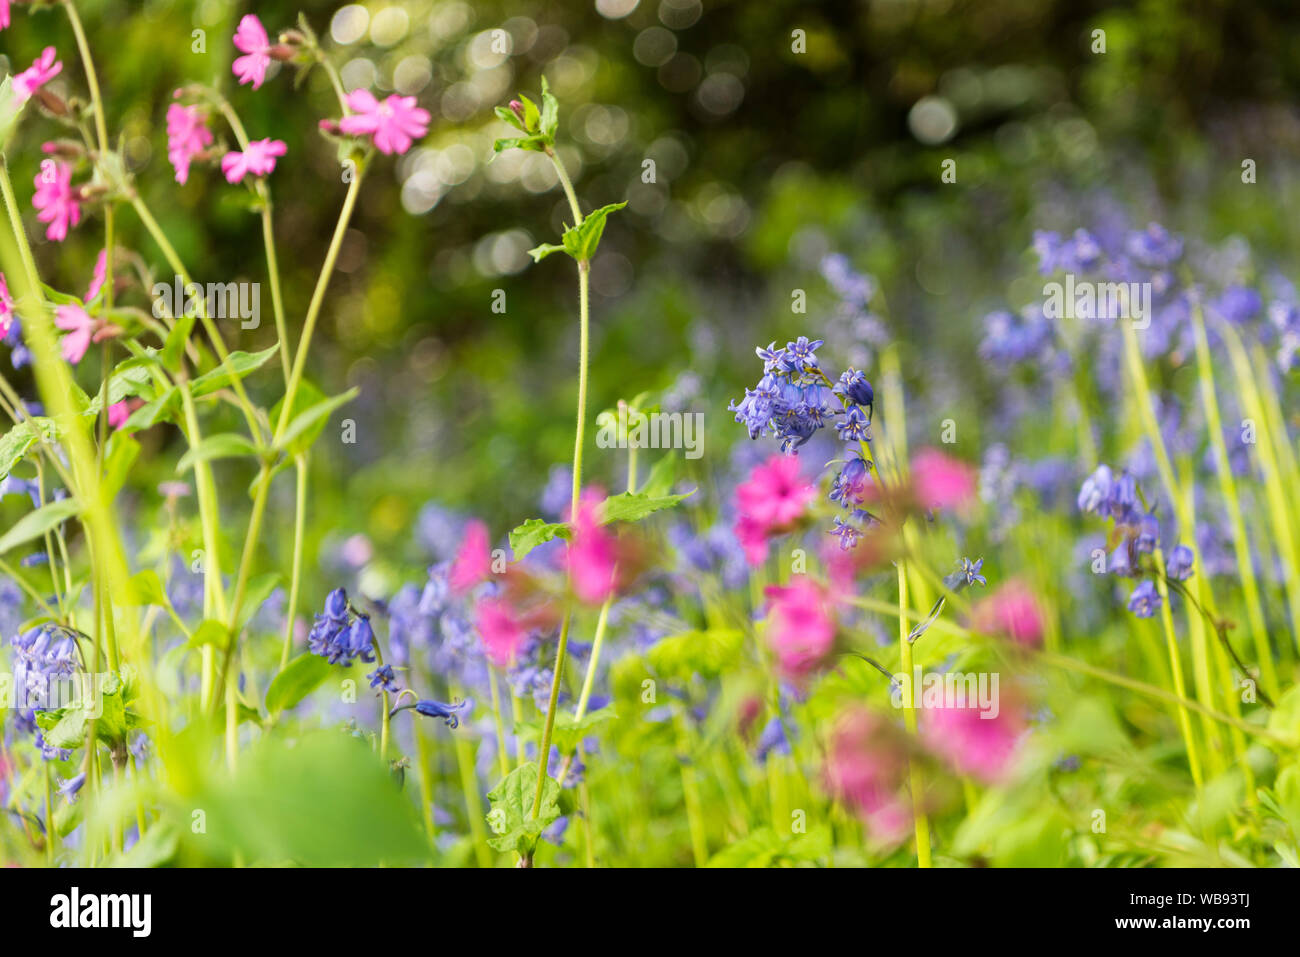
(146, 588)
(129, 379)
(661, 478)
(209, 632)
(550, 121)
(35, 524)
(545, 249)
(508, 116)
(320, 799)
(11, 108)
(258, 591)
(581, 241)
(307, 425)
(535, 144)
(566, 734)
(174, 346)
(634, 506)
(534, 532)
(706, 653)
(532, 115)
(223, 445)
(237, 366)
(511, 817)
(300, 677)
(18, 441)
(151, 413)
(123, 450)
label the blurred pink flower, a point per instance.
(81, 331)
(800, 628)
(56, 200)
(99, 276)
(500, 628)
(1012, 611)
(865, 768)
(4, 14)
(769, 501)
(258, 159)
(473, 561)
(251, 40)
(187, 136)
(974, 744)
(119, 412)
(6, 307)
(592, 552)
(394, 123)
(939, 481)
(37, 75)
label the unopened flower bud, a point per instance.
(52, 102)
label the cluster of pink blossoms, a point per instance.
(770, 502)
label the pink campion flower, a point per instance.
(592, 552)
(800, 629)
(394, 123)
(977, 743)
(187, 136)
(866, 766)
(939, 481)
(56, 200)
(4, 14)
(252, 41)
(771, 500)
(119, 412)
(6, 307)
(502, 631)
(81, 331)
(99, 276)
(257, 160)
(44, 69)
(473, 561)
(1012, 611)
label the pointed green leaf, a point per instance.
(511, 817)
(534, 532)
(35, 524)
(223, 445)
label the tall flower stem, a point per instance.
(503, 759)
(262, 491)
(580, 429)
(915, 775)
(299, 533)
(1228, 485)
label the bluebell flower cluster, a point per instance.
(1116, 497)
(342, 634)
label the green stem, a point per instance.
(295, 580)
(580, 429)
(915, 774)
(503, 759)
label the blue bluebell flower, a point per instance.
(1145, 600)
(1180, 562)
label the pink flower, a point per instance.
(4, 14)
(1012, 611)
(118, 412)
(941, 482)
(6, 307)
(800, 628)
(473, 561)
(769, 501)
(501, 630)
(187, 137)
(394, 123)
(592, 552)
(37, 75)
(251, 39)
(977, 743)
(100, 275)
(81, 331)
(56, 199)
(865, 768)
(258, 159)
